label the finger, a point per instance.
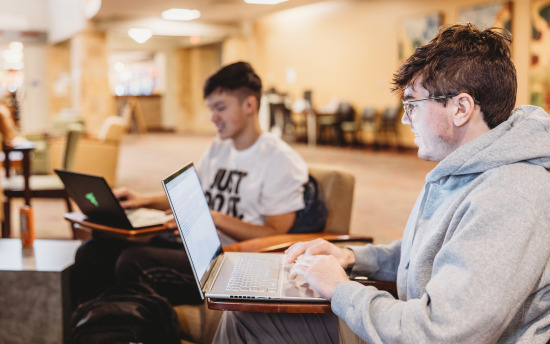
(125, 204)
(294, 251)
(296, 270)
(170, 224)
(311, 247)
(319, 246)
(120, 192)
(168, 211)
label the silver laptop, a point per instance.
(219, 274)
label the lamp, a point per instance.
(140, 35)
(180, 14)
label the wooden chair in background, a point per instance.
(29, 186)
(348, 125)
(368, 127)
(388, 131)
(97, 155)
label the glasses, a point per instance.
(408, 105)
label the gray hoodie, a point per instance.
(473, 265)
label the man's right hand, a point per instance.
(345, 257)
(129, 198)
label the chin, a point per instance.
(428, 157)
(422, 154)
(224, 136)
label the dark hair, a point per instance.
(239, 78)
(463, 58)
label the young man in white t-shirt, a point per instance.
(252, 180)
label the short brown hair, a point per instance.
(463, 58)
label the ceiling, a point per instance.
(212, 11)
(219, 18)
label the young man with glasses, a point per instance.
(473, 265)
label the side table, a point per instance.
(35, 300)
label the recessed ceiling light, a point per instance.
(264, 2)
(180, 14)
(140, 35)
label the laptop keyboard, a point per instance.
(145, 217)
(255, 273)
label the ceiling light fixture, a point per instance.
(140, 35)
(91, 7)
(180, 14)
(264, 2)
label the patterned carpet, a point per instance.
(387, 182)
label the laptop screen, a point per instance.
(193, 219)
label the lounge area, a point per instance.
(382, 177)
(113, 89)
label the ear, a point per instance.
(465, 108)
(251, 105)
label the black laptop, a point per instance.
(96, 200)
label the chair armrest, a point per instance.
(278, 243)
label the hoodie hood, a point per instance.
(524, 137)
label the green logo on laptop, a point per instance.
(90, 196)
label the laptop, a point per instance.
(216, 271)
(96, 200)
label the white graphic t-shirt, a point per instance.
(264, 179)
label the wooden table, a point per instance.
(79, 220)
(25, 149)
(266, 244)
(277, 243)
(288, 306)
(268, 306)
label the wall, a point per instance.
(59, 78)
(193, 67)
(348, 49)
(34, 102)
(60, 18)
(340, 49)
(168, 51)
(92, 96)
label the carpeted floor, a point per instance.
(387, 182)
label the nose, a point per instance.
(213, 116)
(405, 119)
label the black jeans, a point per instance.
(102, 262)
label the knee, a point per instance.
(87, 254)
(232, 327)
(129, 265)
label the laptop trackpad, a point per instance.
(297, 288)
